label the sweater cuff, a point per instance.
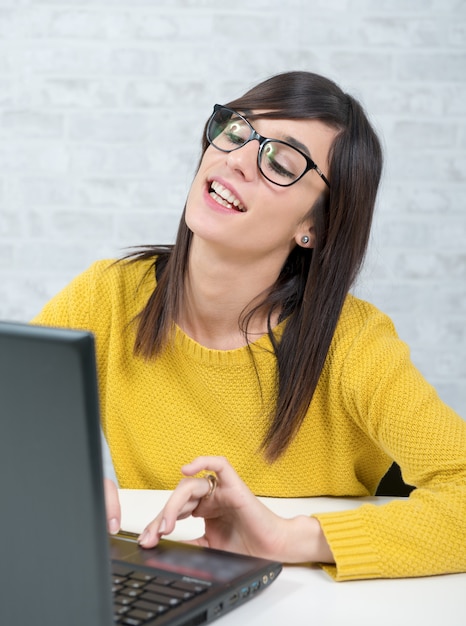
(352, 549)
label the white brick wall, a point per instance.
(101, 107)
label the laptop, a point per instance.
(58, 566)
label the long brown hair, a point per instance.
(313, 284)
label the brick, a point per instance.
(10, 224)
(41, 192)
(127, 160)
(23, 157)
(71, 93)
(32, 124)
(414, 234)
(428, 266)
(413, 135)
(431, 198)
(439, 67)
(136, 228)
(421, 167)
(363, 66)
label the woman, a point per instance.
(241, 348)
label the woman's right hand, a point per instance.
(112, 506)
(235, 519)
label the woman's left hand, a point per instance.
(235, 520)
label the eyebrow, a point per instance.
(288, 139)
(297, 144)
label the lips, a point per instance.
(225, 197)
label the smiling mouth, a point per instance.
(223, 196)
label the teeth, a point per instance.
(223, 196)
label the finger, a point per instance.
(182, 502)
(217, 464)
(227, 478)
(112, 506)
(231, 491)
(152, 533)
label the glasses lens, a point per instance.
(281, 163)
(227, 131)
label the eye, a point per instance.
(278, 160)
(237, 131)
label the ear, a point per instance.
(305, 237)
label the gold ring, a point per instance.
(212, 480)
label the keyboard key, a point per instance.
(124, 600)
(130, 621)
(135, 584)
(129, 591)
(141, 615)
(150, 607)
(160, 599)
(143, 576)
(172, 592)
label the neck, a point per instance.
(219, 291)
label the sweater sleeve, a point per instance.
(389, 399)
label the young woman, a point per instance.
(239, 356)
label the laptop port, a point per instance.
(218, 609)
(234, 598)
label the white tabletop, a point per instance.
(307, 595)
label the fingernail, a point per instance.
(113, 526)
(162, 527)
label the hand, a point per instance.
(112, 506)
(235, 520)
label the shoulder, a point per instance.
(361, 319)
(366, 348)
(129, 272)
(365, 340)
(116, 279)
(107, 286)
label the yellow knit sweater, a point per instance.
(371, 406)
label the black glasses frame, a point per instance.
(263, 141)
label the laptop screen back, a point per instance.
(52, 524)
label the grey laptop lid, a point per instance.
(55, 555)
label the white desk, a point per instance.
(307, 595)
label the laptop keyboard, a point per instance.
(140, 597)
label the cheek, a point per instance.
(197, 188)
(198, 182)
(291, 208)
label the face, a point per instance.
(232, 205)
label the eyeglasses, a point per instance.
(278, 161)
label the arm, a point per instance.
(393, 404)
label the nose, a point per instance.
(244, 160)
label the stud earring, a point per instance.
(304, 239)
